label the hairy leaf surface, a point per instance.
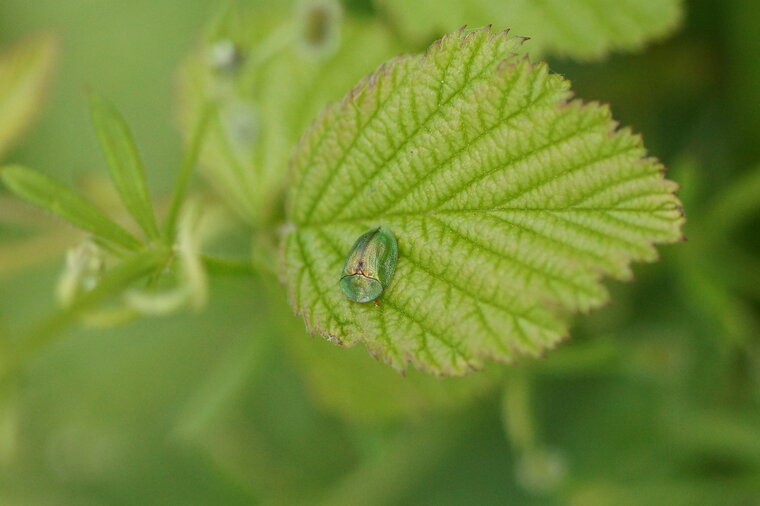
(509, 201)
(583, 29)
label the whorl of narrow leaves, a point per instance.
(46, 193)
(509, 202)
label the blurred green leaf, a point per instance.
(124, 163)
(708, 281)
(726, 491)
(269, 436)
(269, 83)
(721, 433)
(508, 200)
(407, 459)
(383, 396)
(186, 171)
(44, 192)
(582, 29)
(25, 70)
(738, 202)
(223, 385)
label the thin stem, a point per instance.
(733, 206)
(186, 171)
(516, 412)
(412, 455)
(112, 283)
(227, 266)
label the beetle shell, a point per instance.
(369, 265)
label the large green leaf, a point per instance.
(576, 28)
(25, 69)
(509, 201)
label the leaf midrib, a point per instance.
(361, 220)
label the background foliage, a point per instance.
(654, 400)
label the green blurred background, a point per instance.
(655, 399)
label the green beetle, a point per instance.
(369, 265)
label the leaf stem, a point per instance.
(112, 283)
(227, 266)
(411, 455)
(516, 414)
(735, 204)
(186, 170)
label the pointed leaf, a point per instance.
(124, 163)
(508, 200)
(583, 29)
(25, 70)
(41, 191)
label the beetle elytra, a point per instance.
(369, 265)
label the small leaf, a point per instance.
(582, 29)
(41, 191)
(124, 163)
(25, 70)
(508, 200)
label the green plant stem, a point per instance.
(112, 283)
(516, 412)
(733, 206)
(186, 171)
(227, 267)
(409, 457)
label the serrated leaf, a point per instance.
(25, 69)
(41, 191)
(124, 163)
(509, 202)
(583, 29)
(269, 84)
